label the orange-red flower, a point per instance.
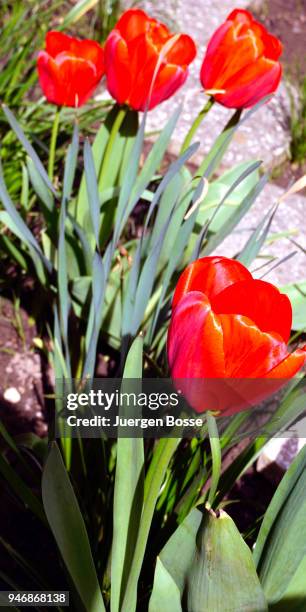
(145, 64)
(69, 69)
(241, 62)
(226, 325)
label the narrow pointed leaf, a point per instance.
(177, 555)
(28, 147)
(165, 594)
(294, 599)
(39, 185)
(68, 527)
(92, 190)
(281, 543)
(256, 240)
(70, 164)
(23, 231)
(129, 482)
(237, 215)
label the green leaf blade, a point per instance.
(68, 527)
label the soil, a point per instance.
(286, 19)
(286, 174)
(21, 385)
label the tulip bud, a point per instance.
(69, 69)
(145, 63)
(227, 340)
(241, 63)
(222, 576)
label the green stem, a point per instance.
(196, 124)
(153, 482)
(53, 143)
(214, 442)
(109, 147)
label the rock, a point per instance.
(21, 386)
(12, 395)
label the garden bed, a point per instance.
(113, 279)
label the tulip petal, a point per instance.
(167, 82)
(141, 53)
(241, 16)
(68, 80)
(210, 275)
(233, 54)
(183, 51)
(249, 352)
(57, 42)
(273, 46)
(253, 83)
(117, 67)
(208, 65)
(261, 302)
(48, 76)
(195, 342)
(91, 51)
(132, 23)
(290, 366)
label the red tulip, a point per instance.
(69, 69)
(145, 64)
(241, 62)
(226, 325)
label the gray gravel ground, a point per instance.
(288, 218)
(264, 137)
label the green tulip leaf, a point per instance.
(165, 594)
(294, 598)
(222, 576)
(68, 527)
(129, 483)
(177, 554)
(281, 544)
(217, 191)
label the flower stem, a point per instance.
(214, 442)
(196, 124)
(121, 113)
(53, 142)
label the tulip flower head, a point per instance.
(145, 64)
(69, 69)
(241, 63)
(227, 325)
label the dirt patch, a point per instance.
(287, 20)
(21, 389)
(288, 173)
